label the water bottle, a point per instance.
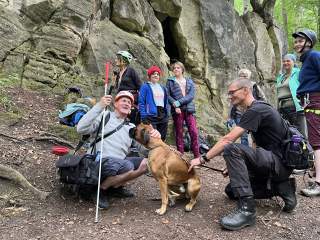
(296, 140)
(97, 159)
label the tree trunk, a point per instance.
(264, 9)
(245, 6)
(284, 18)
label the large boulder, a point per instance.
(12, 32)
(152, 28)
(106, 39)
(128, 15)
(171, 8)
(264, 52)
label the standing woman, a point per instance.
(181, 92)
(153, 102)
(287, 84)
(127, 79)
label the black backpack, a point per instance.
(297, 155)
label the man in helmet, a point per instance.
(117, 168)
(309, 94)
(127, 79)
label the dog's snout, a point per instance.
(132, 132)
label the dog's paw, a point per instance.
(161, 211)
(189, 207)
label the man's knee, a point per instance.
(230, 149)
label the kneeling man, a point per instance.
(254, 172)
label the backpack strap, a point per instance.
(86, 137)
(109, 133)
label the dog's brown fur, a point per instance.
(168, 168)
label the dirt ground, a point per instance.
(22, 216)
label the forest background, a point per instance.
(291, 15)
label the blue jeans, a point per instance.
(244, 138)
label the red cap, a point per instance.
(153, 69)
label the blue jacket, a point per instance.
(309, 76)
(185, 103)
(147, 106)
(293, 85)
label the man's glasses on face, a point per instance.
(232, 92)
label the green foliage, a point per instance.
(301, 14)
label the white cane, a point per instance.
(101, 144)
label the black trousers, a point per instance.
(247, 166)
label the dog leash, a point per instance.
(212, 168)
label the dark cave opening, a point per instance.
(170, 47)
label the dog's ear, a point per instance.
(132, 132)
(145, 136)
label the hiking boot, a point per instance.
(244, 215)
(287, 191)
(103, 201)
(229, 192)
(120, 192)
(313, 190)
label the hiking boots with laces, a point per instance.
(103, 201)
(243, 216)
(287, 191)
(312, 190)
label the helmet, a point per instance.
(126, 56)
(124, 94)
(307, 34)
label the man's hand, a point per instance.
(105, 101)
(155, 133)
(194, 162)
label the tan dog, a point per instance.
(168, 168)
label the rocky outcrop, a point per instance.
(12, 32)
(264, 53)
(171, 8)
(54, 44)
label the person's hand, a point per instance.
(225, 172)
(105, 101)
(155, 133)
(194, 162)
(178, 110)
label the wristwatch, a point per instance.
(204, 157)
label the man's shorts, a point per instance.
(116, 166)
(313, 122)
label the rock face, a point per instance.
(54, 44)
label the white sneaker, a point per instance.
(313, 190)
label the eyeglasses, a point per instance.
(232, 92)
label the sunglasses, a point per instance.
(232, 92)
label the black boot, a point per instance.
(244, 216)
(120, 192)
(287, 191)
(103, 201)
(229, 192)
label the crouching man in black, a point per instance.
(254, 172)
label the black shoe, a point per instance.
(287, 191)
(120, 192)
(103, 201)
(242, 217)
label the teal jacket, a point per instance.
(293, 85)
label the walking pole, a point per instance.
(101, 146)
